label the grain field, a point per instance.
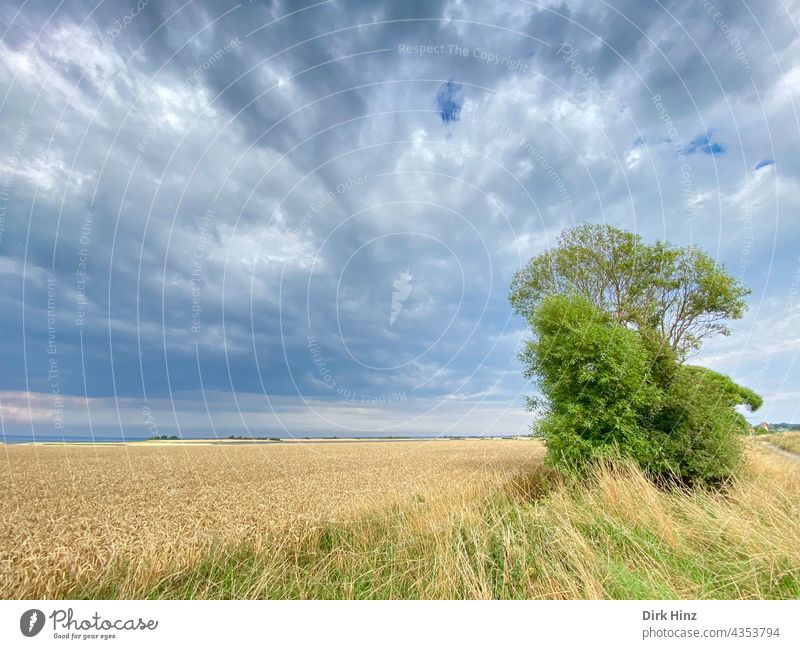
(71, 511)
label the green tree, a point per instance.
(612, 321)
(681, 293)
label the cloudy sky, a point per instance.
(301, 218)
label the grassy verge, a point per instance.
(615, 536)
(787, 441)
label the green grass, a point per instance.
(615, 536)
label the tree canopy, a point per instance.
(680, 293)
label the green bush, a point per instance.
(697, 426)
(609, 390)
(593, 374)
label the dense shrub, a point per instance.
(593, 374)
(697, 426)
(609, 390)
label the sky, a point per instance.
(301, 218)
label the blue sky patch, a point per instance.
(704, 144)
(449, 101)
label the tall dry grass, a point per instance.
(613, 535)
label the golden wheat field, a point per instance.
(71, 511)
(440, 519)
